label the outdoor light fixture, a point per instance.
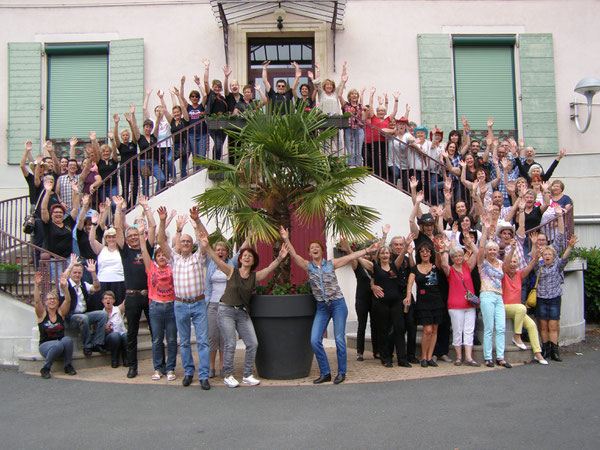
(588, 87)
(279, 14)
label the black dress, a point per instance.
(429, 309)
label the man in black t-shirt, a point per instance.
(136, 284)
(280, 99)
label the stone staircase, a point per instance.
(32, 361)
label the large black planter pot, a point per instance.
(282, 324)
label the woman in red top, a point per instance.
(511, 295)
(375, 142)
(462, 313)
(161, 294)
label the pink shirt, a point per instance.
(160, 284)
(456, 291)
(511, 289)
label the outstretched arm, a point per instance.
(265, 76)
(299, 260)
(264, 273)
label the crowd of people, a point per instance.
(473, 248)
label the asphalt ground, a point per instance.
(529, 406)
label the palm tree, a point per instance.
(285, 163)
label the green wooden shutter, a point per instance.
(126, 76)
(24, 97)
(538, 91)
(77, 95)
(435, 78)
(485, 85)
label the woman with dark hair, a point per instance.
(178, 121)
(233, 315)
(306, 98)
(199, 134)
(149, 161)
(429, 309)
(51, 323)
(215, 104)
(330, 302)
(388, 305)
(126, 143)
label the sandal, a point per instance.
(157, 375)
(171, 376)
(503, 363)
(458, 362)
(359, 357)
(489, 363)
(472, 363)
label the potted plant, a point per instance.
(225, 121)
(9, 273)
(285, 166)
(337, 120)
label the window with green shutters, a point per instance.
(77, 90)
(83, 81)
(484, 81)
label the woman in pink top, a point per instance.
(462, 313)
(375, 142)
(161, 294)
(511, 295)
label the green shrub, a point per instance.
(591, 278)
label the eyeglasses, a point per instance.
(194, 96)
(281, 85)
(186, 242)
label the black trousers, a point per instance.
(389, 314)
(135, 304)
(411, 329)
(364, 308)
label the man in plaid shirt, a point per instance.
(190, 304)
(64, 182)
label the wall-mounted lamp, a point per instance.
(279, 14)
(587, 87)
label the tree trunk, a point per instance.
(282, 216)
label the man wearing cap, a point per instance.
(190, 305)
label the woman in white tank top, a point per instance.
(110, 265)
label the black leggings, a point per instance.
(364, 308)
(390, 314)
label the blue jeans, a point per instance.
(353, 141)
(162, 319)
(218, 137)
(492, 311)
(185, 315)
(338, 311)
(83, 321)
(53, 349)
(109, 190)
(200, 145)
(158, 174)
(117, 344)
(232, 322)
(181, 152)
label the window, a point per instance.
(484, 82)
(77, 90)
(281, 53)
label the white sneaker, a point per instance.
(231, 382)
(250, 380)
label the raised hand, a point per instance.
(490, 122)
(396, 95)
(141, 226)
(545, 186)
(143, 201)
(48, 185)
(162, 213)
(172, 214)
(420, 196)
(92, 135)
(206, 62)
(110, 135)
(521, 142)
(344, 77)
(116, 118)
(63, 281)
(127, 117)
(413, 182)
(73, 259)
(311, 76)
(345, 246)
(257, 87)
(38, 278)
(462, 163)
(266, 64)
(284, 233)
(73, 141)
(386, 228)
(562, 153)
(558, 209)
(298, 71)
(410, 237)
(160, 94)
(284, 251)
(194, 214)
(181, 221)
(132, 109)
(197, 80)
(90, 265)
(148, 92)
(573, 241)
(95, 218)
(85, 200)
(455, 227)
(533, 236)
(204, 239)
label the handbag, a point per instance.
(532, 296)
(29, 222)
(469, 296)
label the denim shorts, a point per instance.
(548, 308)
